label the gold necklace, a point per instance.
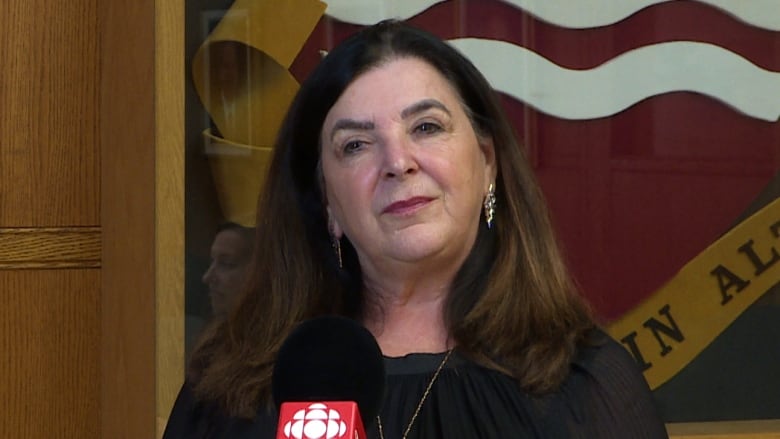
(419, 404)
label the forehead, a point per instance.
(391, 86)
(229, 241)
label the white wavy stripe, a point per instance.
(760, 13)
(367, 12)
(575, 14)
(626, 79)
(595, 13)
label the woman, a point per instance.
(399, 197)
(230, 253)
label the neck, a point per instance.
(408, 317)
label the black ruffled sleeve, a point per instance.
(193, 419)
(607, 396)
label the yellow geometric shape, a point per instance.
(241, 75)
(238, 171)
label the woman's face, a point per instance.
(230, 254)
(405, 173)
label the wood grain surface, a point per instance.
(49, 247)
(127, 137)
(49, 160)
(759, 429)
(50, 235)
(50, 370)
(169, 98)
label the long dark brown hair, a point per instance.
(512, 307)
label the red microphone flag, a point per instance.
(320, 420)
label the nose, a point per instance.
(399, 159)
(208, 274)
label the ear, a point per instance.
(491, 167)
(333, 224)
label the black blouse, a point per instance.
(604, 396)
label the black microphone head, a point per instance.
(330, 359)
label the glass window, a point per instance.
(652, 128)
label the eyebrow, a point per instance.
(350, 124)
(423, 105)
(365, 125)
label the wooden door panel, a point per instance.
(49, 372)
(49, 163)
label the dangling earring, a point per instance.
(490, 205)
(336, 243)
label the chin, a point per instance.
(419, 250)
(217, 304)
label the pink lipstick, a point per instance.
(406, 206)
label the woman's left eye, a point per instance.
(427, 128)
(228, 264)
(352, 146)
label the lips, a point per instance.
(406, 206)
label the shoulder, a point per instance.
(604, 359)
(192, 418)
(180, 418)
(608, 393)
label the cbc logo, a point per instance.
(316, 421)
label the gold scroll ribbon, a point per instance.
(671, 327)
(241, 74)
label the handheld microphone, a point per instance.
(329, 376)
